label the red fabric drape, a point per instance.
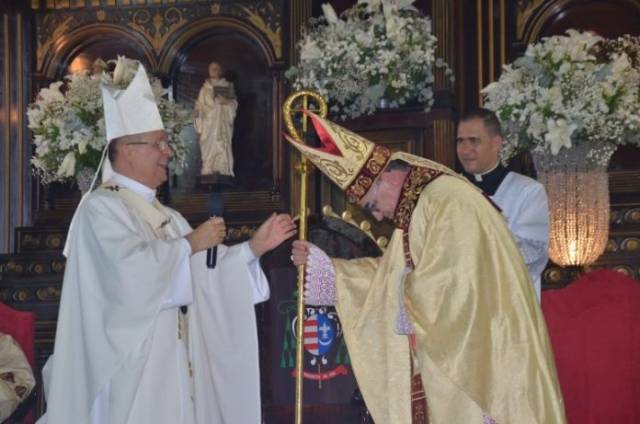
(594, 326)
(21, 326)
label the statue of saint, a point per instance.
(214, 113)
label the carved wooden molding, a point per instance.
(55, 52)
(532, 15)
(154, 26)
(189, 32)
(624, 181)
(526, 9)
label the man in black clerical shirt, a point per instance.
(523, 200)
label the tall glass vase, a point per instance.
(577, 186)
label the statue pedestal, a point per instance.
(215, 182)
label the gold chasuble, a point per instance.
(482, 348)
(482, 345)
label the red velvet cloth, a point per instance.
(21, 326)
(594, 326)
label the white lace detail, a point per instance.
(320, 281)
(403, 322)
(487, 419)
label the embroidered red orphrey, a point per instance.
(364, 180)
(417, 179)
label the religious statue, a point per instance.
(214, 113)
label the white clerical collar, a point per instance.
(478, 177)
(147, 193)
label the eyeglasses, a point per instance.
(161, 145)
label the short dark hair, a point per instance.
(397, 165)
(112, 151)
(488, 117)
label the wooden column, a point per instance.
(15, 141)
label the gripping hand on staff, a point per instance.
(300, 252)
(208, 234)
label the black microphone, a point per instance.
(215, 204)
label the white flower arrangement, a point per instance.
(377, 49)
(567, 90)
(67, 122)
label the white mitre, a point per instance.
(126, 112)
(129, 111)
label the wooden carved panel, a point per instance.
(152, 27)
(538, 18)
(176, 40)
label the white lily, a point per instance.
(82, 146)
(118, 72)
(68, 166)
(559, 134)
(330, 14)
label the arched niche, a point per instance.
(248, 60)
(609, 18)
(78, 49)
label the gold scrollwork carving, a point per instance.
(54, 241)
(58, 33)
(48, 294)
(274, 35)
(57, 266)
(554, 275)
(37, 268)
(614, 215)
(236, 234)
(624, 269)
(612, 246)
(29, 242)
(630, 244)
(14, 267)
(632, 216)
(159, 27)
(526, 8)
(22, 295)
(9, 266)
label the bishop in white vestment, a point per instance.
(125, 350)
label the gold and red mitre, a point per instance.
(351, 161)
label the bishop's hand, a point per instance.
(271, 233)
(300, 252)
(208, 234)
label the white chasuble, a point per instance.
(118, 356)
